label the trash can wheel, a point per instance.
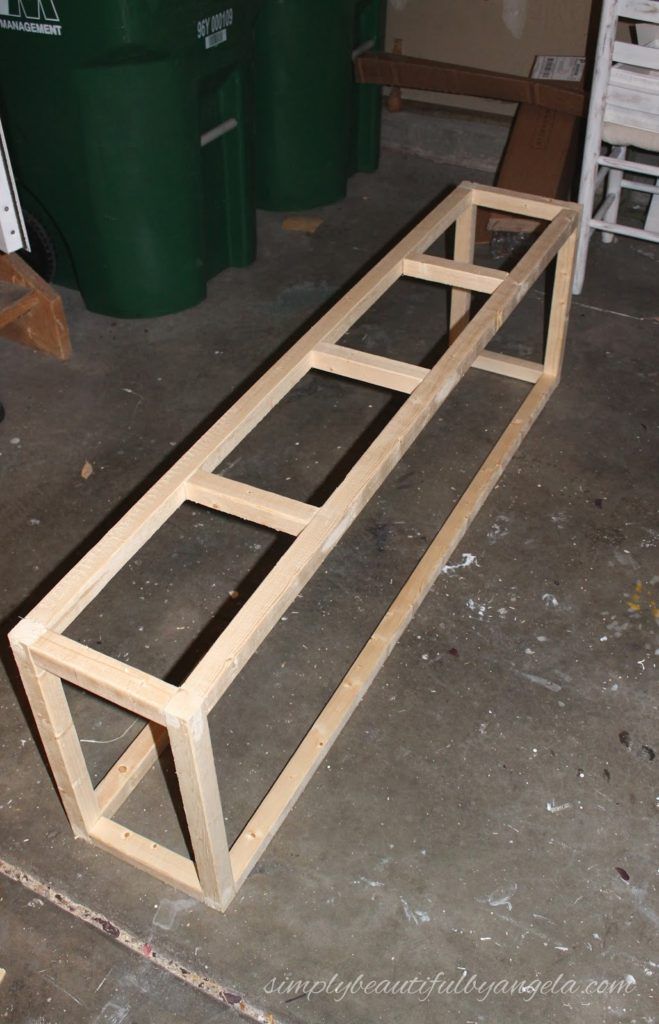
(41, 256)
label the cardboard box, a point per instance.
(542, 150)
(498, 35)
(435, 76)
(540, 158)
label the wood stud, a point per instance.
(180, 715)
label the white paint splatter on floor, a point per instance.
(502, 897)
(541, 681)
(414, 916)
(555, 808)
(498, 529)
(479, 609)
(467, 560)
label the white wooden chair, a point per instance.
(624, 111)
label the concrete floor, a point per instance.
(489, 809)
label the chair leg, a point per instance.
(593, 141)
(587, 185)
(586, 196)
(613, 187)
(652, 218)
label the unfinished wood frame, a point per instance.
(31, 312)
(180, 715)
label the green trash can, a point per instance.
(128, 127)
(314, 124)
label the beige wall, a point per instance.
(500, 35)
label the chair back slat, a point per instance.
(633, 91)
(639, 10)
(636, 119)
(637, 56)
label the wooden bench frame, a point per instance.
(179, 715)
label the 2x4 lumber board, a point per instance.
(507, 201)
(190, 741)
(249, 502)
(509, 366)
(68, 598)
(125, 775)
(463, 251)
(140, 852)
(58, 734)
(222, 662)
(367, 367)
(454, 273)
(560, 308)
(112, 680)
(292, 781)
